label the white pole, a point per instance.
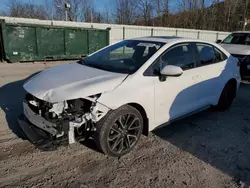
(52, 12)
(66, 15)
(91, 16)
(67, 6)
(245, 24)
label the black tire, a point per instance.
(227, 96)
(114, 134)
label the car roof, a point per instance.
(167, 39)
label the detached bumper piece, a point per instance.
(40, 138)
(34, 134)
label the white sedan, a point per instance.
(128, 89)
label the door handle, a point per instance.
(196, 77)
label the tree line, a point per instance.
(227, 15)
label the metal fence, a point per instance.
(125, 32)
(120, 32)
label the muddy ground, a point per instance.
(210, 149)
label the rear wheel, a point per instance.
(227, 96)
(119, 131)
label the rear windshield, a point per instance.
(238, 38)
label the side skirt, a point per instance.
(184, 116)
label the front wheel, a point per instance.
(119, 131)
(227, 96)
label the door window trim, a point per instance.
(149, 72)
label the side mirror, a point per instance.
(171, 70)
(218, 41)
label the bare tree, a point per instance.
(227, 15)
(245, 13)
(88, 11)
(124, 11)
(162, 12)
(212, 18)
(106, 14)
(185, 13)
(80, 10)
(25, 10)
(145, 9)
(165, 12)
(74, 13)
(230, 9)
(159, 12)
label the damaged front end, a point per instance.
(72, 120)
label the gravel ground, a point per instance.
(210, 149)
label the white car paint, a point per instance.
(71, 81)
(171, 70)
(158, 101)
(162, 101)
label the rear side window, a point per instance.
(208, 54)
(220, 56)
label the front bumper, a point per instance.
(39, 121)
(34, 134)
(38, 128)
(40, 138)
(39, 131)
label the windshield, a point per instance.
(238, 38)
(124, 57)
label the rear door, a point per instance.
(211, 70)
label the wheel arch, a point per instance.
(142, 111)
(226, 99)
(234, 82)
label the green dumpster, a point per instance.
(26, 42)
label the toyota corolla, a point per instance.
(127, 89)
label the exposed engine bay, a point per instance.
(75, 119)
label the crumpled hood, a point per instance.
(237, 49)
(71, 81)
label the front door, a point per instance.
(177, 96)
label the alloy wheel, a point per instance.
(124, 133)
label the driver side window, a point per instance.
(181, 55)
